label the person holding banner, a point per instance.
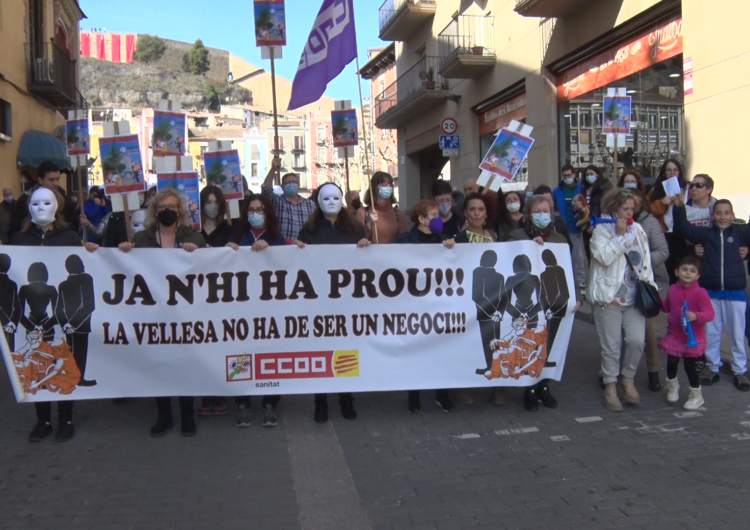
(45, 228)
(391, 222)
(257, 228)
(620, 259)
(428, 228)
(216, 232)
(553, 293)
(168, 226)
(332, 224)
(478, 212)
(442, 193)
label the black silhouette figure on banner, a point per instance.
(525, 287)
(10, 307)
(554, 298)
(39, 296)
(488, 293)
(75, 304)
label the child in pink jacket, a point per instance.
(677, 344)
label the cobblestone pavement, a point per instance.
(579, 466)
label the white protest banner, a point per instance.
(161, 322)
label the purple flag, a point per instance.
(332, 45)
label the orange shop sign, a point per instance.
(652, 47)
(498, 117)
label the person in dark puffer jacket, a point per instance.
(725, 280)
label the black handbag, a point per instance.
(647, 299)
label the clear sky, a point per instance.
(229, 25)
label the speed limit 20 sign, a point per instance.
(449, 126)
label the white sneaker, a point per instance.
(695, 400)
(673, 390)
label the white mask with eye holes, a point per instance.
(137, 221)
(42, 207)
(330, 199)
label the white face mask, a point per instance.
(329, 200)
(137, 220)
(513, 207)
(42, 207)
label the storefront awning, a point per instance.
(38, 146)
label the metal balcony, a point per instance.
(466, 47)
(399, 18)
(547, 8)
(419, 88)
(53, 77)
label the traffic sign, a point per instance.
(450, 141)
(449, 126)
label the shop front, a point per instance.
(648, 65)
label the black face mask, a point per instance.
(356, 204)
(167, 217)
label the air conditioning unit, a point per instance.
(44, 71)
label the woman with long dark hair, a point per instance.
(514, 201)
(332, 224)
(257, 228)
(390, 220)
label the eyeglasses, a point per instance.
(253, 210)
(699, 185)
(163, 207)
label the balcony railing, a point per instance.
(421, 78)
(467, 35)
(410, 11)
(53, 76)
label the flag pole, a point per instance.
(275, 113)
(367, 157)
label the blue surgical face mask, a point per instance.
(256, 220)
(569, 180)
(444, 208)
(385, 192)
(291, 189)
(591, 179)
(9, 198)
(541, 220)
(630, 185)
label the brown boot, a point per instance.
(463, 396)
(498, 396)
(611, 401)
(631, 394)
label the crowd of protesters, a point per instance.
(626, 242)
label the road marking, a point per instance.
(523, 430)
(562, 438)
(589, 419)
(467, 436)
(741, 436)
(692, 414)
(745, 423)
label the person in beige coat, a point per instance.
(620, 257)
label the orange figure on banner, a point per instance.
(521, 352)
(42, 365)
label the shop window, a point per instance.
(6, 121)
